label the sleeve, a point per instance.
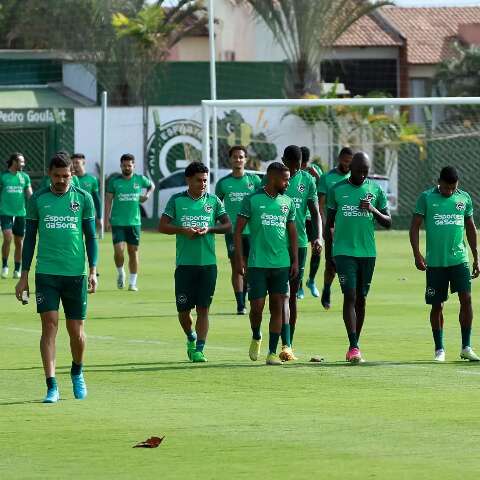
(291, 212)
(88, 207)
(382, 200)
(95, 185)
(312, 190)
(146, 182)
(331, 200)
(170, 208)
(96, 202)
(264, 181)
(32, 209)
(246, 208)
(257, 181)
(322, 185)
(28, 249)
(219, 190)
(469, 207)
(28, 182)
(219, 208)
(421, 205)
(111, 186)
(91, 244)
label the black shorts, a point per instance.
(440, 278)
(194, 286)
(355, 273)
(129, 234)
(231, 245)
(15, 224)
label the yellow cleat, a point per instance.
(287, 355)
(254, 349)
(272, 359)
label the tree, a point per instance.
(305, 29)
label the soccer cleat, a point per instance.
(325, 300)
(79, 386)
(440, 355)
(4, 272)
(241, 311)
(254, 349)
(468, 354)
(53, 396)
(300, 294)
(313, 288)
(191, 347)
(16, 274)
(198, 357)
(287, 355)
(354, 355)
(132, 288)
(272, 359)
(121, 281)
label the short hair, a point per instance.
(237, 147)
(60, 160)
(292, 152)
(80, 156)
(194, 168)
(277, 167)
(305, 154)
(449, 175)
(345, 151)
(13, 158)
(127, 157)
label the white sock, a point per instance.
(121, 271)
(133, 279)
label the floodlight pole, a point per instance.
(213, 91)
(103, 154)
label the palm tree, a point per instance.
(305, 29)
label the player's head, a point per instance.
(16, 160)
(78, 163)
(196, 175)
(60, 172)
(345, 159)
(127, 164)
(238, 157)
(278, 176)
(448, 181)
(305, 156)
(292, 158)
(359, 168)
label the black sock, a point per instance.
(4, 262)
(314, 264)
(51, 382)
(240, 301)
(76, 368)
(17, 266)
(352, 338)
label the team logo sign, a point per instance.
(39, 298)
(430, 292)
(301, 188)
(208, 208)
(460, 206)
(369, 197)
(74, 206)
(284, 209)
(182, 299)
(136, 186)
(342, 279)
(250, 186)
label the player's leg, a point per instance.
(185, 280)
(133, 242)
(314, 262)
(118, 238)
(74, 300)
(257, 294)
(366, 267)
(328, 277)
(206, 282)
(7, 230)
(436, 293)
(236, 279)
(18, 234)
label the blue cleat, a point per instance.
(300, 294)
(313, 288)
(79, 386)
(53, 396)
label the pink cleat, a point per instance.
(354, 355)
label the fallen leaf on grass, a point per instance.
(152, 442)
(317, 359)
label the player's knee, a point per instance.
(7, 236)
(350, 296)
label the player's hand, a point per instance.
(317, 246)
(475, 270)
(294, 270)
(240, 266)
(108, 227)
(420, 262)
(202, 231)
(21, 287)
(92, 282)
(143, 198)
(98, 224)
(366, 205)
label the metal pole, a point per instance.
(213, 87)
(103, 150)
(205, 134)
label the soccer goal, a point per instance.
(407, 139)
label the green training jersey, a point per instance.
(354, 233)
(46, 182)
(88, 182)
(232, 190)
(329, 180)
(126, 199)
(268, 217)
(12, 193)
(444, 219)
(61, 248)
(186, 211)
(301, 189)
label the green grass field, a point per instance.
(397, 416)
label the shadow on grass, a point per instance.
(24, 402)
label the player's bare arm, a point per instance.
(417, 221)
(471, 232)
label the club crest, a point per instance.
(460, 206)
(74, 206)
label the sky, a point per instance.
(437, 3)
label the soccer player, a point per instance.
(231, 190)
(326, 183)
(64, 218)
(302, 190)
(447, 213)
(125, 193)
(46, 180)
(354, 205)
(88, 182)
(195, 216)
(14, 187)
(270, 215)
(316, 173)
